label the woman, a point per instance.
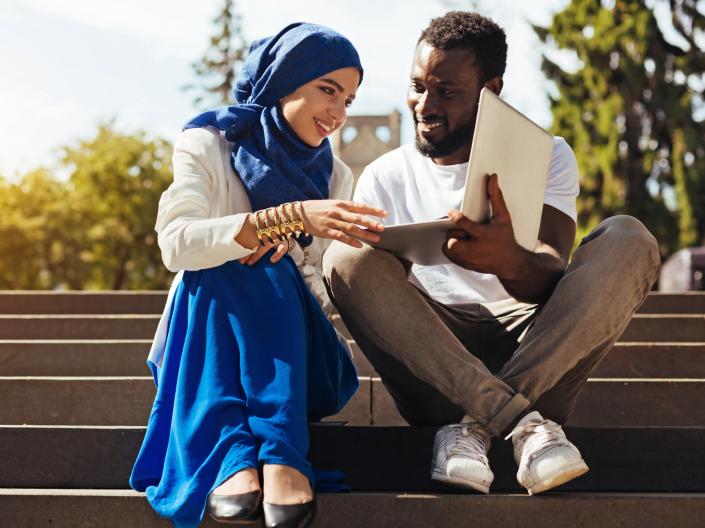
(244, 354)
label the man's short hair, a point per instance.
(461, 29)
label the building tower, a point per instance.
(363, 138)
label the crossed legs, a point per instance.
(493, 362)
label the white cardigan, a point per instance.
(203, 210)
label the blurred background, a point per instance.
(93, 94)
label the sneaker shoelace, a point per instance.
(463, 443)
(538, 437)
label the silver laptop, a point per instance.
(507, 143)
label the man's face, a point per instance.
(443, 95)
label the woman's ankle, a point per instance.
(285, 485)
(244, 481)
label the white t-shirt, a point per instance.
(412, 188)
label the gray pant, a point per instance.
(493, 362)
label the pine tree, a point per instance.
(633, 112)
(219, 66)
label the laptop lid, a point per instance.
(508, 143)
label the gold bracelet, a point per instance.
(284, 221)
(258, 229)
(265, 234)
(293, 225)
(275, 227)
(299, 227)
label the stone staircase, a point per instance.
(76, 394)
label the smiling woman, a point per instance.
(233, 397)
(318, 108)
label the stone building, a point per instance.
(364, 138)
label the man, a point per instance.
(501, 341)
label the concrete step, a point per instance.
(113, 401)
(606, 402)
(642, 328)
(655, 459)
(152, 302)
(73, 357)
(132, 326)
(625, 360)
(653, 360)
(29, 508)
(685, 302)
(82, 302)
(665, 328)
(128, 358)
(655, 401)
(118, 401)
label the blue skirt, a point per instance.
(250, 358)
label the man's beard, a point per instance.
(460, 137)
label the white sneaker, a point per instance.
(460, 456)
(545, 457)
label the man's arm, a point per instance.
(491, 248)
(535, 275)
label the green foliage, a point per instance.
(630, 112)
(93, 230)
(218, 67)
(30, 247)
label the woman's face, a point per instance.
(319, 107)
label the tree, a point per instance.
(93, 230)
(632, 111)
(219, 66)
(115, 181)
(30, 230)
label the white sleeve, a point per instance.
(562, 187)
(343, 178)
(188, 237)
(371, 192)
(340, 189)
(365, 189)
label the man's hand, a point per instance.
(485, 248)
(528, 276)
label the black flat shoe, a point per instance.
(289, 515)
(241, 508)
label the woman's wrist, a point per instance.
(247, 236)
(279, 223)
(304, 238)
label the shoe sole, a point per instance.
(459, 481)
(566, 474)
(243, 522)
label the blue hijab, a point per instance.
(274, 165)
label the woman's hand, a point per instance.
(281, 249)
(342, 220)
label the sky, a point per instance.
(68, 65)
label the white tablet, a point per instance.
(507, 143)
